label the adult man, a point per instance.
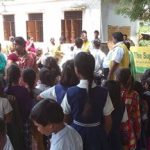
(120, 55)
(86, 43)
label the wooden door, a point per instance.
(31, 29)
(7, 30)
(39, 30)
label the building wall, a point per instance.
(109, 17)
(53, 12)
(96, 16)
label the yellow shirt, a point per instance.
(120, 56)
(86, 46)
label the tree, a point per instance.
(134, 9)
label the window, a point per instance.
(9, 26)
(71, 26)
(35, 27)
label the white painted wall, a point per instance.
(53, 12)
(109, 17)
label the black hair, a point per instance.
(148, 83)
(47, 77)
(145, 76)
(127, 43)
(2, 127)
(96, 31)
(68, 75)
(13, 74)
(47, 111)
(97, 43)
(118, 36)
(20, 41)
(125, 78)
(78, 42)
(84, 31)
(137, 86)
(85, 64)
(29, 77)
(51, 64)
(125, 35)
(114, 91)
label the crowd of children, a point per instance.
(74, 106)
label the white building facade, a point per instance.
(51, 16)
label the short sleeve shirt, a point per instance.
(5, 107)
(118, 53)
(66, 139)
(107, 110)
(49, 93)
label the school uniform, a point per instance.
(56, 92)
(66, 139)
(8, 145)
(92, 131)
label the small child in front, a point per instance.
(48, 116)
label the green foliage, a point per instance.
(135, 9)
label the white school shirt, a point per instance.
(76, 51)
(118, 53)
(66, 139)
(99, 57)
(107, 59)
(49, 93)
(5, 107)
(42, 87)
(8, 145)
(107, 110)
(125, 116)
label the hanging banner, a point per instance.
(140, 58)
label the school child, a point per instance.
(5, 143)
(48, 116)
(5, 106)
(20, 135)
(47, 79)
(68, 78)
(88, 105)
(29, 79)
(119, 116)
(146, 97)
(131, 100)
(51, 64)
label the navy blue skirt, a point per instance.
(94, 138)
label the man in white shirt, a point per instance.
(120, 55)
(48, 116)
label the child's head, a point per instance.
(51, 64)
(68, 76)
(39, 52)
(46, 115)
(47, 77)
(29, 77)
(147, 84)
(78, 42)
(84, 66)
(145, 76)
(114, 91)
(13, 74)
(125, 78)
(2, 129)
